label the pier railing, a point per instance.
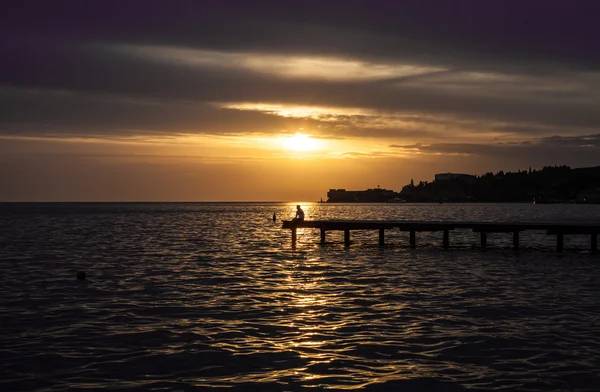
(483, 228)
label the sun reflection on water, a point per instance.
(230, 306)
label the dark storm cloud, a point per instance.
(586, 141)
(78, 46)
(46, 112)
(562, 31)
(588, 145)
(99, 70)
(458, 148)
(515, 156)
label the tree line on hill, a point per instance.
(551, 184)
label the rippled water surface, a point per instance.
(196, 296)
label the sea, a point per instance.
(203, 296)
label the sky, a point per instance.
(283, 100)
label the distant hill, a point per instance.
(551, 184)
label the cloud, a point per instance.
(48, 112)
(499, 31)
(585, 141)
(149, 72)
(480, 158)
(587, 144)
(456, 78)
(278, 65)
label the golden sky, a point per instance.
(221, 103)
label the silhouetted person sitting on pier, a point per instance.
(299, 215)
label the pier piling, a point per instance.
(413, 238)
(483, 241)
(346, 237)
(560, 242)
(446, 239)
(381, 237)
(516, 239)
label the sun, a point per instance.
(301, 142)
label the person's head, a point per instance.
(298, 207)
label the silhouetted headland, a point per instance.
(551, 184)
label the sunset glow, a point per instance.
(301, 142)
(215, 102)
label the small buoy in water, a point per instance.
(274, 216)
(81, 275)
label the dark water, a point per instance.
(196, 296)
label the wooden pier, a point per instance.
(483, 228)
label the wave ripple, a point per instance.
(197, 296)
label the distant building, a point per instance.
(589, 195)
(455, 176)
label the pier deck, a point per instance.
(557, 229)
